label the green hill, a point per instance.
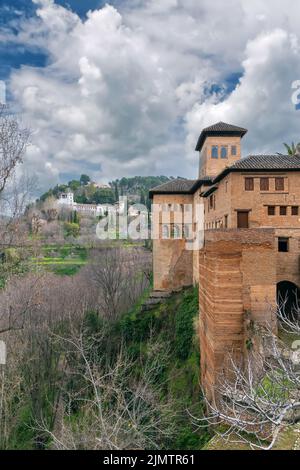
(85, 192)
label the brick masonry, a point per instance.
(238, 270)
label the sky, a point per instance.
(124, 88)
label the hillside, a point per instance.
(148, 366)
(87, 192)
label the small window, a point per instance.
(214, 151)
(283, 244)
(226, 221)
(211, 202)
(249, 184)
(279, 184)
(186, 231)
(176, 232)
(295, 210)
(283, 210)
(224, 152)
(165, 231)
(271, 210)
(233, 150)
(264, 184)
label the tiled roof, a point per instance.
(179, 186)
(263, 163)
(210, 190)
(251, 163)
(268, 162)
(220, 128)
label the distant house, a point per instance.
(99, 185)
(67, 200)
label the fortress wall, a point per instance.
(237, 273)
(288, 264)
(172, 265)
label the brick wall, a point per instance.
(209, 166)
(231, 283)
(231, 196)
(172, 263)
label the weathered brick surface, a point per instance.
(231, 197)
(231, 284)
(213, 166)
(172, 263)
(237, 270)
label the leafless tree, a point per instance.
(289, 321)
(121, 275)
(13, 142)
(114, 412)
(258, 397)
(20, 298)
(14, 139)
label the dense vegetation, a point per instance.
(84, 192)
(145, 368)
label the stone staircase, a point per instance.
(155, 298)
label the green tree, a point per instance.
(84, 180)
(293, 149)
(116, 192)
(71, 229)
(74, 185)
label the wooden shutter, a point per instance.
(264, 184)
(249, 184)
(279, 184)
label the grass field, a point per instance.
(62, 260)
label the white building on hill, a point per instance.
(67, 200)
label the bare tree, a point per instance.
(14, 139)
(13, 142)
(115, 413)
(121, 275)
(257, 398)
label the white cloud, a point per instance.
(127, 92)
(262, 100)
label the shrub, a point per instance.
(71, 229)
(184, 328)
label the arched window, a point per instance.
(165, 231)
(176, 232)
(186, 231)
(214, 151)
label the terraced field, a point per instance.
(62, 260)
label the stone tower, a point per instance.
(219, 146)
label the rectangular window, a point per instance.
(233, 150)
(283, 244)
(214, 151)
(295, 210)
(249, 184)
(264, 184)
(211, 202)
(279, 184)
(224, 152)
(226, 221)
(283, 210)
(271, 210)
